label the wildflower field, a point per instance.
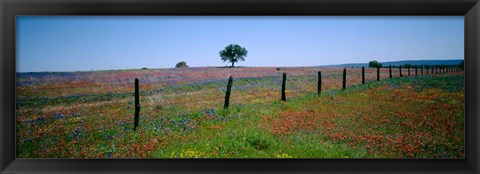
(91, 114)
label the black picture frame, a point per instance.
(11, 8)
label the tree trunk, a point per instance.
(233, 64)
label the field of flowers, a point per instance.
(90, 114)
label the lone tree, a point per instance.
(374, 64)
(181, 64)
(233, 53)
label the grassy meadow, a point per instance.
(91, 114)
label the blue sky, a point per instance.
(83, 43)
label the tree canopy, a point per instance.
(181, 64)
(233, 53)
(374, 64)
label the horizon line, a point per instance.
(143, 68)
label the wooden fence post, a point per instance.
(137, 105)
(284, 80)
(227, 95)
(433, 67)
(344, 84)
(421, 69)
(363, 75)
(378, 73)
(408, 70)
(390, 70)
(319, 85)
(400, 69)
(416, 70)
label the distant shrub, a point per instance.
(181, 64)
(374, 64)
(278, 69)
(144, 68)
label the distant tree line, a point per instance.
(375, 64)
